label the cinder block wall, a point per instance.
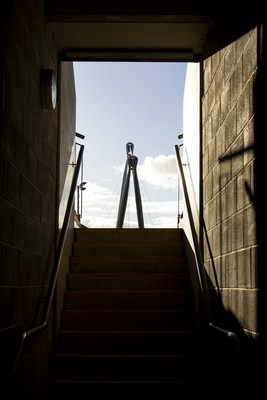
(228, 121)
(28, 191)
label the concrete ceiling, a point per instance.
(104, 30)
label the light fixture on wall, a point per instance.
(48, 89)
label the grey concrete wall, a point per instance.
(228, 121)
(29, 191)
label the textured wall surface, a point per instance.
(228, 173)
(28, 188)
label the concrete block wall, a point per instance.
(228, 151)
(28, 189)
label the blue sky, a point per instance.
(121, 102)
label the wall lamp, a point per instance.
(48, 89)
(79, 199)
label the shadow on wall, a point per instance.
(241, 362)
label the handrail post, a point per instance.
(200, 266)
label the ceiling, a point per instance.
(104, 30)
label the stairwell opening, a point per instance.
(139, 102)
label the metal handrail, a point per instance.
(200, 264)
(57, 260)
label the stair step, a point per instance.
(85, 249)
(126, 235)
(175, 343)
(126, 384)
(129, 320)
(131, 300)
(69, 389)
(125, 367)
(127, 281)
(126, 264)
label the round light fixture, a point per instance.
(48, 89)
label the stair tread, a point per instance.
(170, 311)
(121, 356)
(119, 248)
(132, 311)
(86, 381)
(136, 275)
(130, 342)
(120, 245)
(128, 316)
(119, 295)
(127, 232)
(122, 259)
(172, 332)
(123, 293)
(148, 332)
(125, 281)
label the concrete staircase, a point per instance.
(128, 322)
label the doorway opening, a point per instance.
(121, 102)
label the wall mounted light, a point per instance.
(80, 200)
(48, 89)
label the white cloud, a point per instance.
(99, 205)
(160, 172)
